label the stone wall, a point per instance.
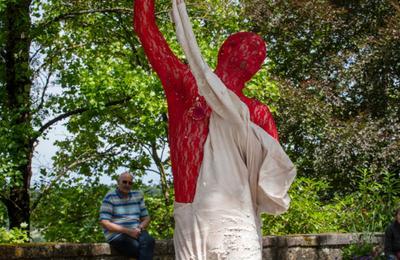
(315, 246)
(319, 246)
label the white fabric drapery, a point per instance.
(244, 171)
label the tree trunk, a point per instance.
(17, 106)
(163, 175)
(18, 207)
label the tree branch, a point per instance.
(163, 175)
(70, 15)
(144, 145)
(151, 170)
(65, 170)
(40, 106)
(55, 53)
(167, 160)
(119, 10)
(164, 145)
(59, 176)
(33, 56)
(74, 112)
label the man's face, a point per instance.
(125, 183)
(398, 217)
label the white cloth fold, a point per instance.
(244, 171)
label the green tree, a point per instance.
(369, 208)
(46, 55)
(338, 64)
(16, 130)
(70, 213)
(79, 63)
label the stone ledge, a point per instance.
(318, 240)
(307, 246)
(164, 250)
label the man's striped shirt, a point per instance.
(125, 211)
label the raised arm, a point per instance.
(218, 97)
(168, 67)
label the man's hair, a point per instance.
(125, 173)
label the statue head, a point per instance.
(239, 58)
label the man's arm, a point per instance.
(162, 59)
(115, 228)
(144, 222)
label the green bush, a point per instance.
(370, 208)
(162, 220)
(315, 209)
(70, 214)
(307, 213)
(14, 236)
(356, 250)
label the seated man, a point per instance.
(392, 238)
(124, 218)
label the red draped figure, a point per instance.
(227, 164)
(239, 58)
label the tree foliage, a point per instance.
(369, 208)
(338, 64)
(331, 78)
(83, 67)
(70, 213)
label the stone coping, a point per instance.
(165, 249)
(321, 240)
(71, 250)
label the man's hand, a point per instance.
(134, 232)
(112, 227)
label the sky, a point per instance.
(46, 149)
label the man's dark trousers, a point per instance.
(142, 248)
